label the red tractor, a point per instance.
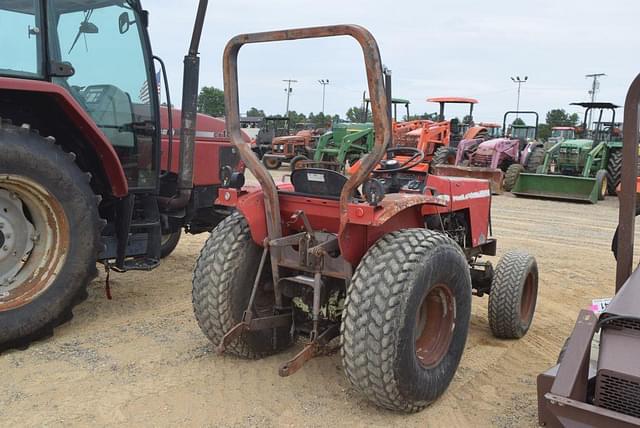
(386, 259)
(85, 174)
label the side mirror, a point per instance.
(124, 23)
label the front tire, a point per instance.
(444, 155)
(513, 295)
(271, 162)
(169, 242)
(406, 319)
(51, 233)
(511, 176)
(602, 184)
(222, 284)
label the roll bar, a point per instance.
(628, 193)
(520, 112)
(379, 107)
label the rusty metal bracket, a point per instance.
(310, 350)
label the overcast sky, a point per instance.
(446, 48)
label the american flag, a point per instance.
(144, 90)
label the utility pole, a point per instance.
(519, 82)
(595, 87)
(324, 83)
(289, 90)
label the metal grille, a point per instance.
(481, 160)
(618, 394)
(625, 323)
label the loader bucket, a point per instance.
(494, 176)
(565, 187)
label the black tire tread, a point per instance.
(504, 298)
(614, 171)
(376, 290)
(65, 160)
(511, 176)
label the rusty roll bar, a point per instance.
(628, 192)
(379, 107)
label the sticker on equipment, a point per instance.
(318, 178)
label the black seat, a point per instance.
(318, 182)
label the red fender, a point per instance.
(85, 124)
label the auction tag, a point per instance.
(318, 178)
(598, 306)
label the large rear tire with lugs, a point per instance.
(406, 319)
(49, 233)
(511, 176)
(513, 295)
(614, 171)
(222, 284)
(444, 155)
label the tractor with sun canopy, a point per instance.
(498, 160)
(88, 170)
(597, 383)
(386, 259)
(583, 169)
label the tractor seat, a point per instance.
(318, 182)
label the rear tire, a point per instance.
(406, 319)
(511, 176)
(614, 171)
(47, 202)
(536, 159)
(270, 162)
(294, 162)
(513, 295)
(222, 284)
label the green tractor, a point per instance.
(348, 142)
(586, 168)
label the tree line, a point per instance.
(211, 102)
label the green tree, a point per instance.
(423, 116)
(356, 114)
(254, 112)
(559, 117)
(519, 122)
(544, 131)
(211, 101)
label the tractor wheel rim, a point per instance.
(35, 231)
(603, 187)
(527, 301)
(434, 326)
(272, 162)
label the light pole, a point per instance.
(324, 83)
(519, 81)
(289, 90)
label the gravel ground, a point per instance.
(140, 358)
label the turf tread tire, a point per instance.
(375, 307)
(506, 293)
(222, 283)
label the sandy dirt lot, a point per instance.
(140, 359)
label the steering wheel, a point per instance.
(391, 165)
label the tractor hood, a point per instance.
(582, 144)
(490, 146)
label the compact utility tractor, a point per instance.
(272, 127)
(386, 259)
(291, 148)
(603, 389)
(499, 160)
(584, 169)
(85, 174)
(438, 140)
(348, 142)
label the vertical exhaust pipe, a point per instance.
(190, 89)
